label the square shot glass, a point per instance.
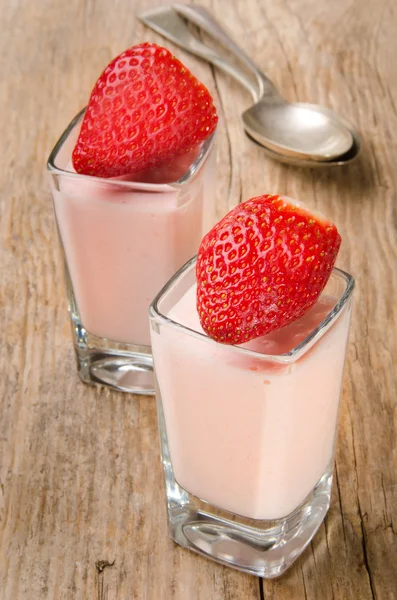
(248, 438)
(121, 242)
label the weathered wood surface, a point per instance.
(80, 479)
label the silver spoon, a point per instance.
(300, 134)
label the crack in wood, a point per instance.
(340, 504)
(315, 562)
(240, 199)
(101, 589)
(101, 565)
(378, 170)
(314, 555)
(387, 525)
(365, 553)
(304, 584)
(363, 532)
(391, 100)
(326, 537)
(261, 589)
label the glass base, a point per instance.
(263, 548)
(124, 367)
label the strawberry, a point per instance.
(262, 267)
(145, 110)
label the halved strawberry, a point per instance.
(261, 267)
(145, 110)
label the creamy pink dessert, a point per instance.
(287, 410)
(123, 243)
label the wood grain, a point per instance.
(81, 494)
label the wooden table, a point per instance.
(82, 512)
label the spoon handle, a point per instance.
(203, 19)
(167, 22)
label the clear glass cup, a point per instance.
(247, 438)
(121, 242)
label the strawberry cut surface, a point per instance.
(145, 110)
(262, 267)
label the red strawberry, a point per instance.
(262, 267)
(145, 109)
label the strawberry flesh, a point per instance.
(261, 267)
(146, 110)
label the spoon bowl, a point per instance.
(299, 130)
(340, 161)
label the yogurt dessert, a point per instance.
(247, 435)
(249, 348)
(133, 187)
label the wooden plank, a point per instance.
(81, 493)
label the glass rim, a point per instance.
(287, 357)
(194, 168)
